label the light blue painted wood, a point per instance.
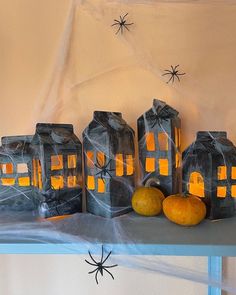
(128, 249)
(214, 273)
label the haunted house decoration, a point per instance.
(57, 169)
(209, 171)
(159, 147)
(15, 175)
(108, 164)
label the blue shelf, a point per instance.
(143, 236)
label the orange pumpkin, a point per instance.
(184, 210)
(147, 201)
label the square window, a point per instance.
(24, 181)
(57, 182)
(8, 181)
(56, 162)
(7, 168)
(71, 161)
(71, 181)
(221, 191)
(22, 168)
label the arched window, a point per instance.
(196, 184)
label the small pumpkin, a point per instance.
(184, 210)
(147, 201)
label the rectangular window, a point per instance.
(90, 182)
(71, 161)
(89, 159)
(24, 181)
(150, 165)
(8, 181)
(71, 181)
(100, 159)
(222, 172)
(57, 182)
(233, 191)
(22, 168)
(56, 162)
(177, 159)
(233, 172)
(7, 168)
(176, 137)
(150, 141)
(163, 141)
(163, 167)
(119, 165)
(34, 181)
(129, 165)
(101, 185)
(221, 191)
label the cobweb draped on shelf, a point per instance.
(98, 67)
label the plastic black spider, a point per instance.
(122, 23)
(100, 265)
(158, 120)
(174, 73)
(103, 170)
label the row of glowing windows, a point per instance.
(197, 186)
(56, 164)
(163, 165)
(163, 140)
(57, 181)
(121, 162)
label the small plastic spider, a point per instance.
(160, 118)
(174, 73)
(122, 23)
(100, 265)
(103, 170)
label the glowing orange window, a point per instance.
(57, 182)
(24, 181)
(100, 159)
(164, 167)
(233, 172)
(222, 172)
(119, 165)
(129, 165)
(221, 191)
(150, 165)
(71, 181)
(176, 137)
(101, 185)
(34, 181)
(7, 168)
(233, 191)
(71, 160)
(8, 181)
(196, 185)
(90, 182)
(177, 159)
(56, 162)
(150, 141)
(90, 159)
(163, 141)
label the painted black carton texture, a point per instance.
(15, 151)
(51, 140)
(160, 118)
(205, 155)
(109, 134)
